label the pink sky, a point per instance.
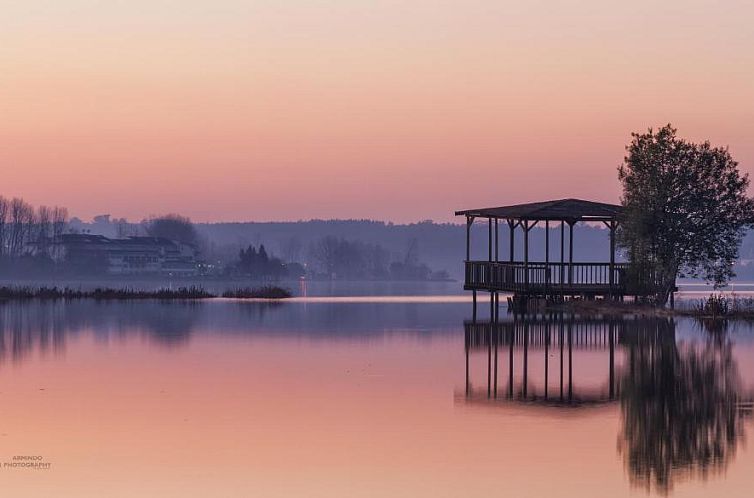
(285, 110)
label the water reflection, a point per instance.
(46, 326)
(553, 336)
(364, 388)
(682, 407)
(682, 403)
(43, 326)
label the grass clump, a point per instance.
(101, 293)
(192, 292)
(719, 306)
(264, 292)
(111, 294)
(26, 292)
(714, 305)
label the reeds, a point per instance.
(104, 293)
(264, 292)
(720, 306)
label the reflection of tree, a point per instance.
(168, 324)
(45, 325)
(680, 415)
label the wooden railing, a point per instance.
(535, 333)
(545, 277)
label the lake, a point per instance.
(369, 396)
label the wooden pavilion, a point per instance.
(545, 279)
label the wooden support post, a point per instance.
(512, 228)
(497, 243)
(612, 360)
(562, 253)
(570, 360)
(526, 253)
(547, 257)
(612, 259)
(510, 359)
(547, 354)
(526, 358)
(570, 254)
(467, 365)
(489, 239)
(469, 222)
(489, 366)
(489, 344)
(560, 341)
(493, 337)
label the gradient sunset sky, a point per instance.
(394, 110)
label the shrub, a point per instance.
(264, 292)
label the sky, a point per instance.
(230, 110)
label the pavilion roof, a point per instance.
(570, 210)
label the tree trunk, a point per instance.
(665, 285)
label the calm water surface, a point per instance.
(368, 397)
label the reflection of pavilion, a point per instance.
(682, 405)
(553, 338)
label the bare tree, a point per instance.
(26, 230)
(325, 253)
(291, 249)
(59, 224)
(21, 220)
(42, 236)
(4, 208)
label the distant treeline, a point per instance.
(369, 248)
(255, 262)
(298, 251)
(385, 248)
(334, 258)
(379, 245)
